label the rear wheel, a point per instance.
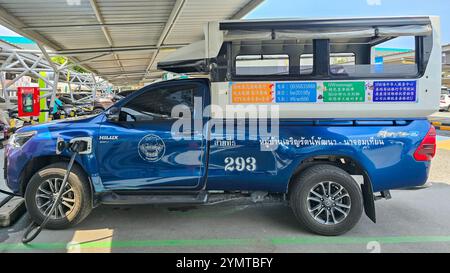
(41, 193)
(326, 200)
(97, 111)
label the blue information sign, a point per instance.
(296, 92)
(379, 59)
(394, 91)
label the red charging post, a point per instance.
(28, 101)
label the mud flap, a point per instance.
(369, 201)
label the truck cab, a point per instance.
(327, 143)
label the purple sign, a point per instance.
(394, 91)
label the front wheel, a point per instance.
(326, 200)
(41, 191)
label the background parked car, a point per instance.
(70, 106)
(81, 101)
(122, 95)
(444, 103)
(100, 104)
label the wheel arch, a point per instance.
(99, 107)
(38, 163)
(348, 164)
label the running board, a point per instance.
(149, 199)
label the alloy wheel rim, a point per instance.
(329, 203)
(46, 196)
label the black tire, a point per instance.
(310, 179)
(97, 111)
(81, 195)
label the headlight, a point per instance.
(17, 140)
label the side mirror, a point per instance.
(112, 115)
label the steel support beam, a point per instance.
(81, 51)
(100, 19)
(85, 60)
(246, 9)
(174, 15)
(55, 75)
(122, 24)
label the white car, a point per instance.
(444, 103)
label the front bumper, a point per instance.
(5, 164)
(14, 162)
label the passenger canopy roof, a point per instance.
(193, 58)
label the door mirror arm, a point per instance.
(112, 115)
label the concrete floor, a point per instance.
(412, 221)
(441, 116)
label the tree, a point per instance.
(61, 60)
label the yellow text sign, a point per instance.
(254, 92)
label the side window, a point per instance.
(342, 63)
(306, 64)
(158, 103)
(396, 57)
(262, 65)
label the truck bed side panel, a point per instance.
(383, 150)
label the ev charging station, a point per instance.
(28, 101)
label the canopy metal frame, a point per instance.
(33, 62)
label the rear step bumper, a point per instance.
(133, 199)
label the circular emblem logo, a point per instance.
(151, 148)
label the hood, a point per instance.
(58, 124)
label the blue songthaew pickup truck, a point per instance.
(257, 121)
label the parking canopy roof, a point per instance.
(121, 41)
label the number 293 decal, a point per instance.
(240, 164)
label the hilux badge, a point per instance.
(151, 148)
(105, 138)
